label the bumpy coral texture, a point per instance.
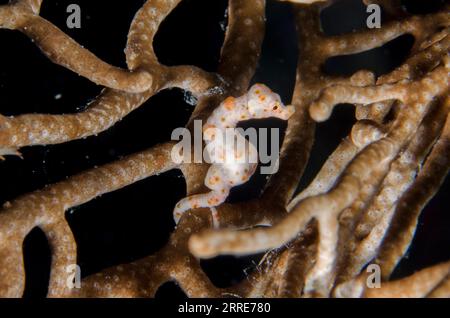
(362, 208)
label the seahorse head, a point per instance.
(264, 103)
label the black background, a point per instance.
(136, 221)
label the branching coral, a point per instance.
(361, 208)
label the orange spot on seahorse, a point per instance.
(208, 126)
(229, 103)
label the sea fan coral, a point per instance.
(360, 212)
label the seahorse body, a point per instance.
(231, 165)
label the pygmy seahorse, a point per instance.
(231, 165)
